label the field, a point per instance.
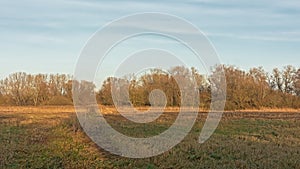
(50, 137)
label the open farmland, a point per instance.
(50, 137)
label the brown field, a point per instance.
(50, 137)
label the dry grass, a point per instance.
(112, 110)
(42, 109)
(277, 110)
(50, 137)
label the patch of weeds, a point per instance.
(215, 156)
(274, 133)
(151, 166)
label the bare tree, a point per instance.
(277, 82)
(18, 86)
(40, 89)
(288, 78)
(260, 79)
(297, 83)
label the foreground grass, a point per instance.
(50, 137)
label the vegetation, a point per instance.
(23, 89)
(50, 137)
(253, 89)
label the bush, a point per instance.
(59, 101)
(3, 101)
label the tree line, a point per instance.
(23, 89)
(251, 89)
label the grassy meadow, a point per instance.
(50, 137)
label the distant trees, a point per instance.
(23, 89)
(18, 87)
(245, 90)
(85, 92)
(297, 83)
(284, 80)
(141, 87)
(259, 80)
(255, 88)
(2, 96)
(240, 89)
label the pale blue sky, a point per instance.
(39, 36)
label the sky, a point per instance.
(39, 36)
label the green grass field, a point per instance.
(50, 137)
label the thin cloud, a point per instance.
(274, 36)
